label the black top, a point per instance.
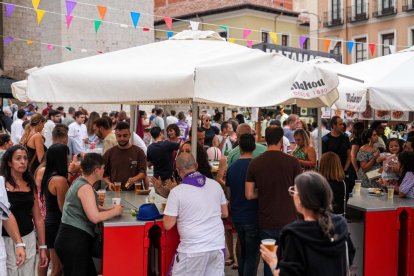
(357, 142)
(53, 213)
(21, 205)
(159, 154)
(304, 250)
(31, 153)
(339, 145)
(338, 189)
(210, 133)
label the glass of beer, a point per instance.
(390, 192)
(357, 186)
(270, 244)
(138, 187)
(101, 197)
(117, 187)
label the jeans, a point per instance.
(249, 242)
(269, 234)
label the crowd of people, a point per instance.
(53, 162)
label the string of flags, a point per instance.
(135, 18)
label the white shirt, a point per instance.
(4, 209)
(171, 120)
(227, 146)
(16, 131)
(314, 135)
(78, 133)
(286, 145)
(47, 133)
(198, 212)
(137, 141)
(282, 118)
(159, 122)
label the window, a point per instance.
(336, 10)
(360, 7)
(337, 50)
(412, 37)
(265, 37)
(387, 4)
(360, 49)
(387, 39)
(285, 40)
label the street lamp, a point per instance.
(305, 12)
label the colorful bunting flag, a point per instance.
(246, 33)
(97, 25)
(168, 22)
(145, 29)
(35, 4)
(8, 39)
(29, 42)
(40, 14)
(273, 36)
(50, 47)
(327, 45)
(68, 20)
(70, 5)
(350, 45)
(302, 40)
(232, 40)
(249, 43)
(135, 18)
(68, 48)
(9, 9)
(102, 11)
(371, 48)
(194, 25)
(224, 27)
(169, 34)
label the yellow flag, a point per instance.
(273, 36)
(29, 41)
(40, 14)
(232, 40)
(35, 4)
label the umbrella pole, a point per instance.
(133, 121)
(319, 114)
(194, 125)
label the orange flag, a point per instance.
(102, 11)
(327, 45)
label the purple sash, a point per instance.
(195, 179)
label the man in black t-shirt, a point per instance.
(336, 141)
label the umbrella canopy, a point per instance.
(193, 66)
(352, 94)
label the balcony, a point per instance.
(408, 5)
(358, 13)
(333, 18)
(380, 9)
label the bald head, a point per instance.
(185, 163)
(243, 129)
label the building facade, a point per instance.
(389, 24)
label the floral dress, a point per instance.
(300, 154)
(366, 156)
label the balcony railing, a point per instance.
(380, 9)
(333, 18)
(408, 5)
(358, 12)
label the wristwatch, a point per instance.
(22, 244)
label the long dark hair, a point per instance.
(5, 169)
(56, 165)
(316, 195)
(366, 135)
(357, 130)
(406, 159)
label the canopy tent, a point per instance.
(352, 94)
(192, 66)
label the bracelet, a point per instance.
(43, 247)
(21, 244)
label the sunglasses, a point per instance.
(208, 120)
(292, 190)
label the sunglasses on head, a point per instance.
(292, 190)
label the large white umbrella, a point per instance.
(193, 66)
(352, 94)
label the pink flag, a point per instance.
(50, 47)
(168, 22)
(246, 33)
(249, 43)
(68, 20)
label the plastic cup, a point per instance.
(101, 196)
(138, 187)
(270, 244)
(390, 192)
(116, 201)
(117, 187)
(357, 186)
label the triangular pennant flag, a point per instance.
(350, 45)
(168, 22)
(50, 47)
(327, 45)
(246, 33)
(145, 29)
(135, 18)
(169, 34)
(40, 14)
(102, 11)
(68, 20)
(273, 36)
(371, 48)
(8, 39)
(68, 48)
(392, 49)
(302, 40)
(194, 25)
(232, 40)
(9, 9)
(97, 25)
(224, 27)
(249, 43)
(35, 4)
(29, 42)
(70, 5)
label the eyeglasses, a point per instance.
(208, 120)
(292, 190)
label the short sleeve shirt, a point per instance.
(407, 185)
(339, 145)
(160, 155)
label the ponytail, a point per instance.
(325, 222)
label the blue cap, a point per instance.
(148, 211)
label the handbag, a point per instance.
(97, 247)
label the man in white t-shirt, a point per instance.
(172, 119)
(17, 126)
(78, 132)
(158, 120)
(197, 206)
(282, 116)
(54, 117)
(286, 143)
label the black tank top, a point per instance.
(21, 205)
(53, 213)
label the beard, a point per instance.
(123, 143)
